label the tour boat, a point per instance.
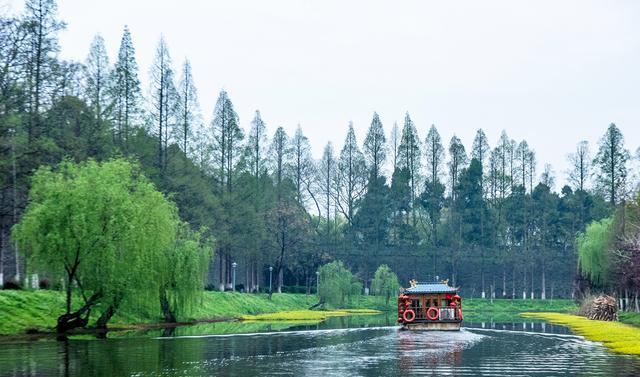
(430, 306)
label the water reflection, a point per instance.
(353, 346)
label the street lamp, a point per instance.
(318, 282)
(234, 265)
(270, 273)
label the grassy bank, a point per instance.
(630, 318)
(479, 310)
(29, 311)
(619, 337)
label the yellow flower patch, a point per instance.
(616, 336)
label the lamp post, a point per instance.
(234, 265)
(318, 283)
(270, 273)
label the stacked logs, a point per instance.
(603, 308)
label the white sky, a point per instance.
(551, 72)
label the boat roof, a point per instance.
(431, 287)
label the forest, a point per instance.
(480, 214)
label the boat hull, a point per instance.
(434, 326)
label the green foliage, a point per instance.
(337, 284)
(593, 247)
(183, 270)
(91, 223)
(385, 282)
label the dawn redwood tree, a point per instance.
(326, 172)
(125, 92)
(374, 146)
(280, 159)
(227, 136)
(432, 198)
(503, 151)
(580, 169)
(164, 100)
(371, 221)
(188, 109)
(611, 162)
(457, 162)
(409, 158)
(434, 152)
(90, 224)
(302, 166)
(289, 228)
(40, 52)
(256, 148)
(352, 176)
(481, 151)
(473, 211)
(97, 80)
(394, 144)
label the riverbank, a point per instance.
(618, 337)
(23, 312)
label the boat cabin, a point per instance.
(430, 306)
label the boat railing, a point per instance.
(446, 313)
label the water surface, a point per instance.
(354, 346)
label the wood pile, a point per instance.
(603, 308)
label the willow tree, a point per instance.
(385, 283)
(182, 272)
(593, 247)
(337, 284)
(98, 227)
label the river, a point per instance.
(364, 346)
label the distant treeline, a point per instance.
(482, 217)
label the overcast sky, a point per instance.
(550, 72)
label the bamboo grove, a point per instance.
(479, 213)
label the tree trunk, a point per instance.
(79, 318)
(543, 294)
(504, 283)
(626, 300)
(524, 283)
(168, 314)
(532, 294)
(221, 273)
(513, 282)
